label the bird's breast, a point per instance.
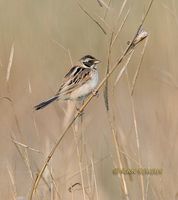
(86, 88)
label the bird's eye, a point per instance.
(88, 62)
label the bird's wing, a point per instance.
(76, 77)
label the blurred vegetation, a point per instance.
(44, 34)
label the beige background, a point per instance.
(36, 28)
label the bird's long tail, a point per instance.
(45, 103)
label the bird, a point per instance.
(80, 81)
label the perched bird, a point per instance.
(78, 83)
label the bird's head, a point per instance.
(89, 61)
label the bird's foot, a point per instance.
(80, 113)
(95, 93)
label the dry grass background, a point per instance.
(43, 34)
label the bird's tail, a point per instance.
(45, 103)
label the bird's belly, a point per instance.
(86, 88)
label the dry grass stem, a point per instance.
(12, 181)
(167, 78)
(139, 66)
(106, 11)
(105, 23)
(88, 179)
(69, 111)
(106, 98)
(54, 184)
(79, 160)
(147, 187)
(120, 28)
(10, 62)
(130, 158)
(95, 182)
(28, 164)
(136, 136)
(102, 3)
(94, 20)
(113, 129)
(24, 156)
(123, 68)
(29, 87)
(173, 11)
(86, 167)
(25, 146)
(66, 50)
(117, 146)
(121, 10)
(112, 41)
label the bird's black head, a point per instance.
(89, 61)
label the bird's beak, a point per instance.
(97, 61)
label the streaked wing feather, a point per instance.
(76, 77)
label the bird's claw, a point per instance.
(80, 113)
(95, 93)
